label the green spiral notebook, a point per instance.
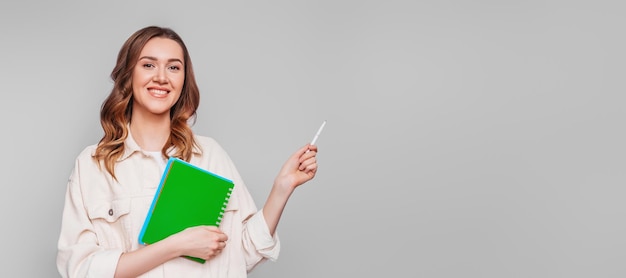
(187, 196)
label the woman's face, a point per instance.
(158, 77)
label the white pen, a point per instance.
(318, 133)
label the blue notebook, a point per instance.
(187, 196)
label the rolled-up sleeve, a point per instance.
(259, 234)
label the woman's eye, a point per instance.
(148, 65)
(175, 68)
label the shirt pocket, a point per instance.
(111, 223)
(228, 218)
(231, 208)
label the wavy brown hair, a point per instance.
(116, 110)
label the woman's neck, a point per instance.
(150, 134)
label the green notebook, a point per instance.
(187, 196)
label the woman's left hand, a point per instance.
(299, 168)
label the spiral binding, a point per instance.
(219, 218)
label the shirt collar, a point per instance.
(131, 146)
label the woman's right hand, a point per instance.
(203, 242)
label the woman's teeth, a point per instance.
(158, 92)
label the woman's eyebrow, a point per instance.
(155, 59)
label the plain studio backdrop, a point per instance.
(464, 138)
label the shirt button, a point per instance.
(111, 212)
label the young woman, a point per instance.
(146, 120)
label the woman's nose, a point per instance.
(160, 76)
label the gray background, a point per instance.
(464, 138)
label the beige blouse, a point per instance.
(102, 217)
